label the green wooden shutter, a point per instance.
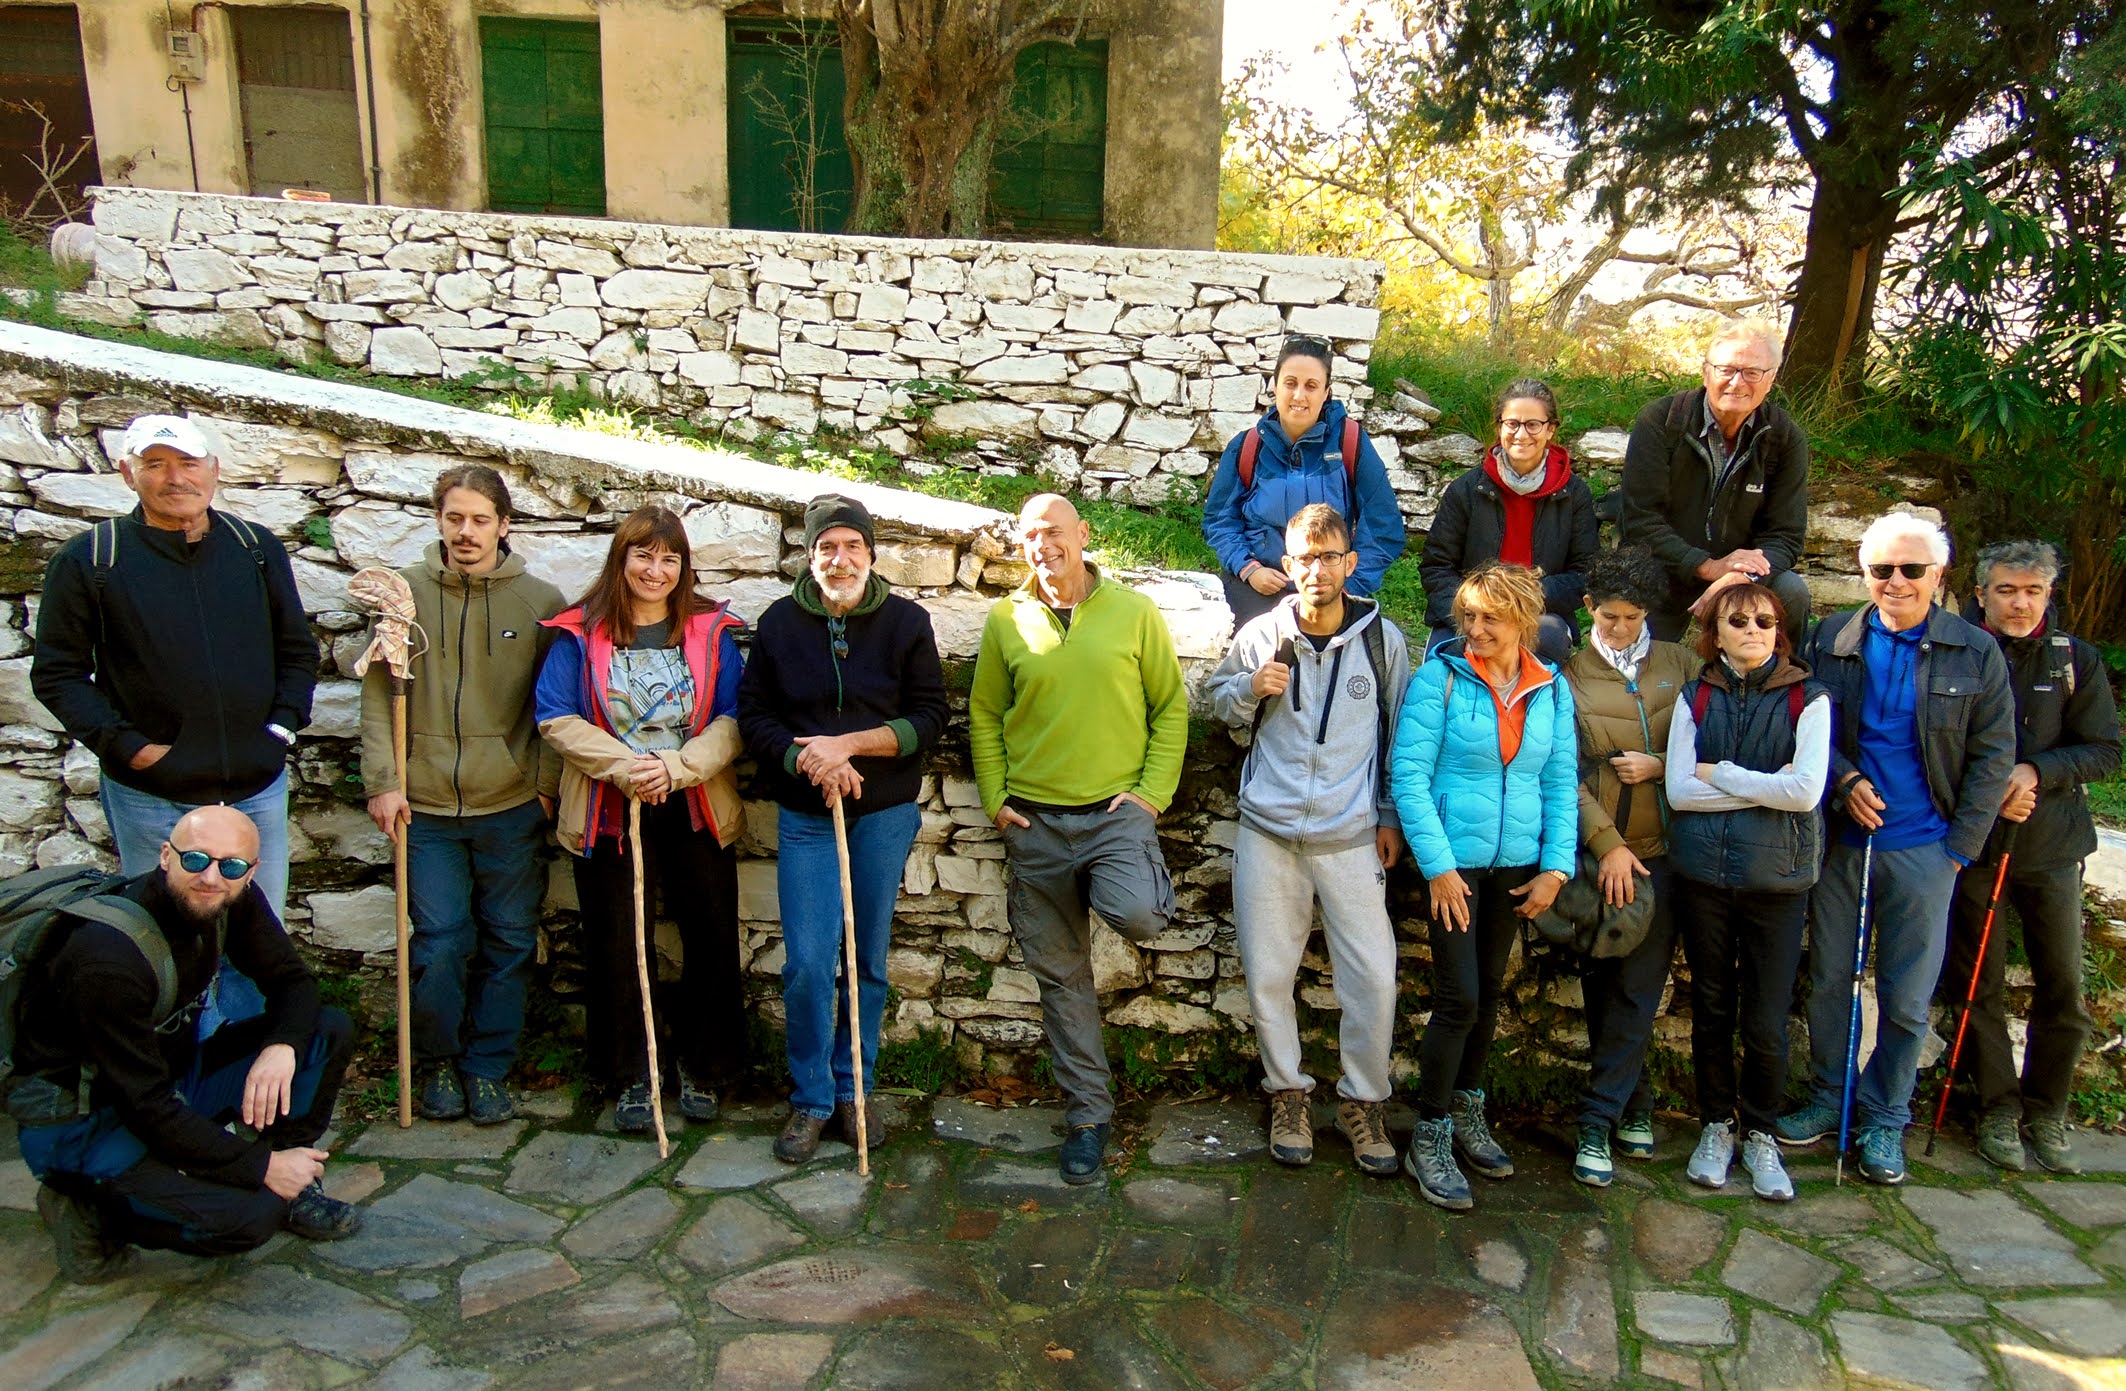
(1048, 176)
(785, 93)
(544, 102)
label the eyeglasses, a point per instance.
(1911, 570)
(1523, 427)
(1314, 560)
(233, 868)
(1748, 376)
(1741, 621)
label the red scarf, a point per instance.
(1518, 547)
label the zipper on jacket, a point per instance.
(457, 704)
(221, 706)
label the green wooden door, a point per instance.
(545, 116)
(1049, 174)
(790, 169)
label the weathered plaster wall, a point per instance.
(1164, 124)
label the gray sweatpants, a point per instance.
(1061, 865)
(1274, 891)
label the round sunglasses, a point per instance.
(232, 867)
(1740, 621)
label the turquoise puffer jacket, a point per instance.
(1460, 809)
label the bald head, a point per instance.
(220, 831)
(1050, 506)
(1052, 540)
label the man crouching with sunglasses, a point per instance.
(1922, 754)
(122, 1112)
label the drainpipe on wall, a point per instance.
(376, 158)
(184, 92)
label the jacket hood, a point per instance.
(1785, 672)
(806, 594)
(1557, 471)
(1325, 431)
(508, 567)
(1364, 612)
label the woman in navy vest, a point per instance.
(1749, 748)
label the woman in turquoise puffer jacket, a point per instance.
(1485, 775)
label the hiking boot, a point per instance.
(315, 1217)
(1882, 1155)
(1590, 1163)
(2000, 1140)
(1083, 1154)
(1807, 1125)
(1292, 1128)
(845, 1121)
(1768, 1180)
(488, 1102)
(1635, 1135)
(1472, 1137)
(84, 1255)
(2047, 1137)
(696, 1102)
(631, 1113)
(442, 1093)
(1365, 1125)
(799, 1140)
(1714, 1156)
(1430, 1160)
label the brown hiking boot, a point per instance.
(799, 1140)
(1291, 1128)
(874, 1124)
(1365, 1125)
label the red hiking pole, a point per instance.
(1978, 962)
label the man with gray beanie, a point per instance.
(842, 696)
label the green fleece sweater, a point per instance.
(1075, 716)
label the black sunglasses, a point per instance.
(233, 867)
(1911, 570)
(1739, 621)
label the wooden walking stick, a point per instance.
(642, 976)
(856, 1026)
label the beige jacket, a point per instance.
(589, 754)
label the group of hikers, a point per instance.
(1769, 786)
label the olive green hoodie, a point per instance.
(473, 745)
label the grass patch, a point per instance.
(2107, 800)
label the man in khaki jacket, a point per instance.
(479, 792)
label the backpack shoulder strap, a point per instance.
(1377, 654)
(248, 534)
(103, 551)
(1350, 451)
(1701, 700)
(140, 928)
(2063, 660)
(1797, 699)
(1250, 449)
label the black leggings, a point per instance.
(697, 881)
(1467, 970)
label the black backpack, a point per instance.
(38, 910)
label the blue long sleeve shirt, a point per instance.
(1889, 738)
(1244, 524)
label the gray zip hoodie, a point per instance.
(1313, 779)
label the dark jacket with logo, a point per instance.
(1752, 724)
(1470, 528)
(196, 645)
(1965, 710)
(2066, 727)
(1673, 504)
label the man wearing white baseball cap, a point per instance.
(171, 642)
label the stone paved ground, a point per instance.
(549, 1254)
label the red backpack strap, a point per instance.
(1250, 446)
(1700, 702)
(1350, 452)
(1796, 698)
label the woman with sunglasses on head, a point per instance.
(1749, 749)
(639, 696)
(1305, 449)
(1523, 505)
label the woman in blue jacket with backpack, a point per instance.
(1485, 772)
(1307, 449)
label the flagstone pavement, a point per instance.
(549, 1253)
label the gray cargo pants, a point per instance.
(1061, 865)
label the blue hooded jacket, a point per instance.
(1248, 524)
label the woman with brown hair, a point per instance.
(639, 696)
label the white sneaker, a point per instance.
(1760, 1155)
(1714, 1156)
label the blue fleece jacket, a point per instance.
(1248, 524)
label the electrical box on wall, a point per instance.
(188, 55)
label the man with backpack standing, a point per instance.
(103, 1007)
(172, 644)
(1320, 678)
(480, 788)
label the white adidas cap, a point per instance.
(175, 431)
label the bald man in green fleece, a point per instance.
(1078, 721)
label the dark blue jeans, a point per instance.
(474, 886)
(1622, 995)
(150, 1203)
(815, 990)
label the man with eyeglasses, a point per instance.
(1716, 482)
(146, 1158)
(1320, 679)
(1920, 760)
(840, 700)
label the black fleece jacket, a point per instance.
(796, 684)
(194, 645)
(1673, 504)
(94, 1000)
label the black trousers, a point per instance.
(697, 881)
(1467, 971)
(1744, 949)
(1622, 995)
(2048, 903)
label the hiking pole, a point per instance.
(1978, 963)
(1852, 1027)
(856, 1029)
(642, 975)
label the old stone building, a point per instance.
(674, 111)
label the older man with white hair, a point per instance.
(1716, 481)
(1923, 752)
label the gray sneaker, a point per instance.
(1430, 1160)
(1768, 1179)
(1291, 1128)
(2000, 1141)
(2047, 1138)
(1472, 1137)
(1714, 1156)
(488, 1102)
